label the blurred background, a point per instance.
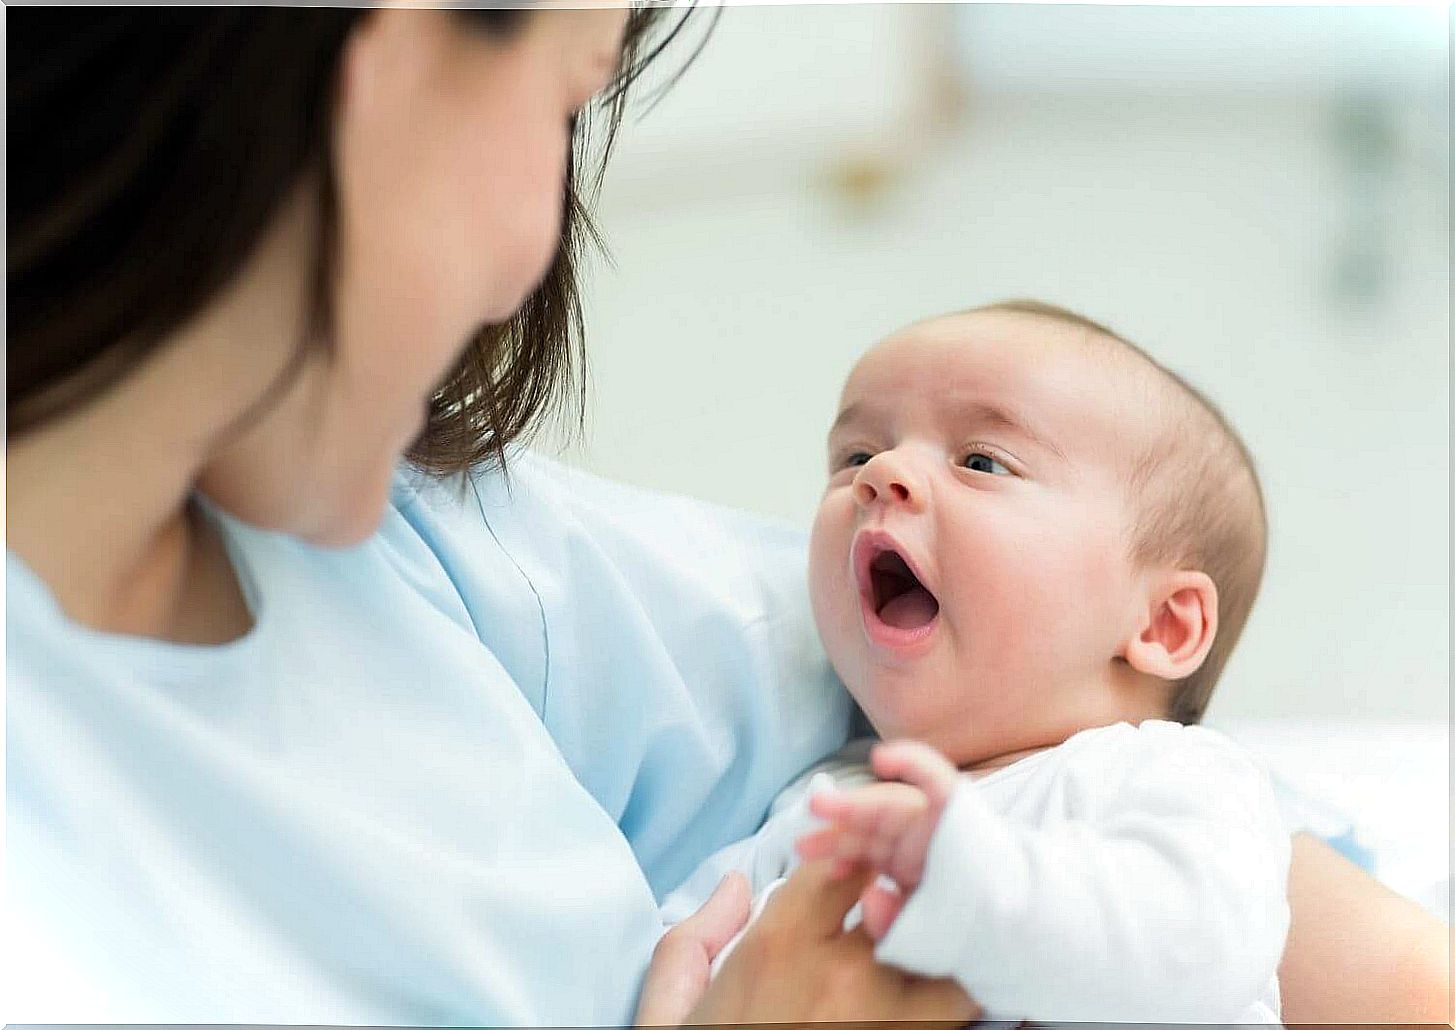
(1259, 196)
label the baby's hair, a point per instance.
(1200, 505)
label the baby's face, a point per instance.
(969, 565)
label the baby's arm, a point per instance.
(1166, 903)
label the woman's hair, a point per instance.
(148, 153)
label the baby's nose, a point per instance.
(885, 479)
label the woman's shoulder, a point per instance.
(548, 515)
(531, 484)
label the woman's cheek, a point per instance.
(528, 232)
(543, 236)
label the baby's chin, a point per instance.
(892, 722)
(963, 737)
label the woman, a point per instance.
(297, 736)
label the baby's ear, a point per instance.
(1178, 627)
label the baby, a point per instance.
(1035, 552)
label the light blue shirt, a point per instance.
(446, 778)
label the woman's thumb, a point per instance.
(682, 962)
(721, 916)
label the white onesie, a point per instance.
(1130, 874)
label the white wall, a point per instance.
(1206, 226)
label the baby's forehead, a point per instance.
(1068, 377)
(994, 348)
(991, 331)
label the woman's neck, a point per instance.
(104, 520)
(99, 499)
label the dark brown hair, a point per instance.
(148, 151)
(1200, 505)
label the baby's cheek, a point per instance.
(1081, 597)
(1026, 616)
(832, 595)
(818, 592)
(1026, 633)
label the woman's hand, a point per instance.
(797, 964)
(682, 962)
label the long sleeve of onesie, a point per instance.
(1151, 889)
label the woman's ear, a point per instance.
(1178, 627)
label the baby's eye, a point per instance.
(855, 459)
(979, 461)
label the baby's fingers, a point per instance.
(844, 848)
(913, 762)
(831, 804)
(870, 809)
(818, 844)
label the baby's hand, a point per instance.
(886, 826)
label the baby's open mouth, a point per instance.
(900, 599)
